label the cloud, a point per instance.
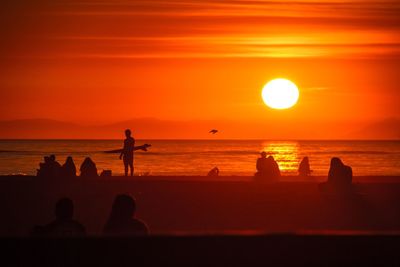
(235, 28)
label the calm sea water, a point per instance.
(188, 157)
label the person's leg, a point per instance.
(126, 170)
(126, 167)
(131, 167)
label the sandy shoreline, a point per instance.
(284, 178)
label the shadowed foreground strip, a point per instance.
(275, 250)
(204, 207)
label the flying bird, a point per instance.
(213, 131)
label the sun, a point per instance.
(280, 94)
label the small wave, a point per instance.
(210, 152)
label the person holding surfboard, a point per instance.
(127, 152)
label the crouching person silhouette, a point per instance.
(340, 177)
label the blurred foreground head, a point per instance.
(64, 209)
(124, 206)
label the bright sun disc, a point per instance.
(280, 94)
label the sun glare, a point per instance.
(280, 94)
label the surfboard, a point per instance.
(117, 151)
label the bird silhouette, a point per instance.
(213, 131)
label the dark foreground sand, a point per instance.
(196, 206)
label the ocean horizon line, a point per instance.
(199, 139)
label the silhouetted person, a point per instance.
(262, 165)
(267, 167)
(275, 171)
(122, 220)
(50, 167)
(304, 167)
(88, 168)
(63, 225)
(214, 172)
(68, 169)
(55, 167)
(44, 168)
(340, 176)
(127, 151)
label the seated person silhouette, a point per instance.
(44, 168)
(63, 225)
(88, 168)
(55, 167)
(262, 165)
(304, 167)
(267, 167)
(68, 169)
(214, 172)
(50, 167)
(340, 176)
(275, 171)
(122, 220)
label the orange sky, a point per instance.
(96, 62)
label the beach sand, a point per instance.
(197, 205)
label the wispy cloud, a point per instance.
(189, 28)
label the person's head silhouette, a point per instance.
(52, 157)
(128, 133)
(124, 207)
(336, 162)
(64, 209)
(263, 154)
(69, 160)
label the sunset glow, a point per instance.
(196, 63)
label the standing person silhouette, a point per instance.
(127, 151)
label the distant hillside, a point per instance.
(39, 128)
(388, 129)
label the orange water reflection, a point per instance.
(285, 153)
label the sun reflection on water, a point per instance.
(285, 154)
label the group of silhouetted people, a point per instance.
(121, 221)
(50, 168)
(340, 176)
(267, 167)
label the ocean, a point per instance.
(197, 157)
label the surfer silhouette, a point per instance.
(127, 152)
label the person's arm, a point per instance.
(123, 151)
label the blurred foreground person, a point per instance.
(63, 225)
(122, 219)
